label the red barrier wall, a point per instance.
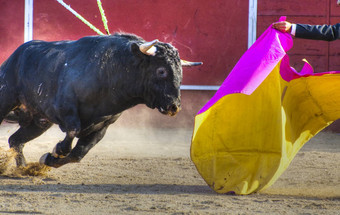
(214, 32)
(11, 27)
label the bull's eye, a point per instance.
(162, 72)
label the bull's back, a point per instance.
(31, 60)
(43, 71)
(32, 73)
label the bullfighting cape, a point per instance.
(264, 112)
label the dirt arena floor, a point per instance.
(149, 171)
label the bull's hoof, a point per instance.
(56, 153)
(49, 160)
(43, 158)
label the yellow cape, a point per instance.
(243, 143)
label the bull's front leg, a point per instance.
(63, 148)
(69, 122)
(82, 147)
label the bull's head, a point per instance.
(163, 75)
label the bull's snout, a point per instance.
(171, 110)
(174, 109)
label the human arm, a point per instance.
(318, 32)
(314, 32)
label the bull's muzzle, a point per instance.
(170, 110)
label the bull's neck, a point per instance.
(125, 87)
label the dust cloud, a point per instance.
(8, 167)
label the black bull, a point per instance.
(84, 86)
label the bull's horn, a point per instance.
(148, 48)
(188, 63)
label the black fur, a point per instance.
(84, 86)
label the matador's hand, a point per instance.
(283, 26)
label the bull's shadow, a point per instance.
(144, 189)
(147, 189)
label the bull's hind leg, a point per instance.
(8, 96)
(83, 146)
(23, 135)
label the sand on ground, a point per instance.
(149, 171)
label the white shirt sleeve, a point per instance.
(293, 30)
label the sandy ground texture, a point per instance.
(144, 171)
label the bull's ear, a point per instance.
(135, 50)
(147, 48)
